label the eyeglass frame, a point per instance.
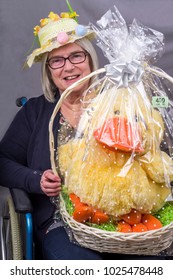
(67, 58)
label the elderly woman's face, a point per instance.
(70, 70)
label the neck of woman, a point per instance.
(71, 111)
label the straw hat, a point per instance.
(56, 31)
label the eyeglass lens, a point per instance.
(75, 58)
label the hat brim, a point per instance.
(37, 54)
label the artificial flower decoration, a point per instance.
(69, 15)
(55, 30)
(53, 16)
(36, 30)
(44, 21)
(73, 14)
(65, 15)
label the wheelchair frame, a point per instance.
(15, 244)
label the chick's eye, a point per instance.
(117, 112)
(136, 118)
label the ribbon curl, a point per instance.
(124, 73)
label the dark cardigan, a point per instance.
(24, 155)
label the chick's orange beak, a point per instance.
(119, 134)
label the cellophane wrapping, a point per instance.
(120, 157)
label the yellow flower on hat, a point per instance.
(69, 15)
(49, 28)
(65, 15)
(36, 30)
(73, 14)
(44, 21)
(53, 16)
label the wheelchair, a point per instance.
(16, 227)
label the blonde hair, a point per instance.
(48, 86)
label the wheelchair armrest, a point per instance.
(21, 200)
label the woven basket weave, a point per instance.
(145, 243)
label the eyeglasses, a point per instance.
(59, 61)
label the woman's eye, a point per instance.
(76, 55)
(57, 60)
(117, 112)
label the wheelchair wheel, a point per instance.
(11, 231)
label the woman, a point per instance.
(66, 55)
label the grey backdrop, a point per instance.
(18, 17)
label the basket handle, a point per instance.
(56, 109)
(155, 71)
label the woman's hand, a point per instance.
(50, 183)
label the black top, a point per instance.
(24, 155)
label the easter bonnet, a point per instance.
(55, 31)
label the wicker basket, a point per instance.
(145, 243)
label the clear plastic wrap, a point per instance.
(120, 158)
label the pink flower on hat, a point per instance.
(61, 28)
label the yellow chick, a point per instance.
(118, 164)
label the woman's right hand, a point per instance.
(50, 183)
